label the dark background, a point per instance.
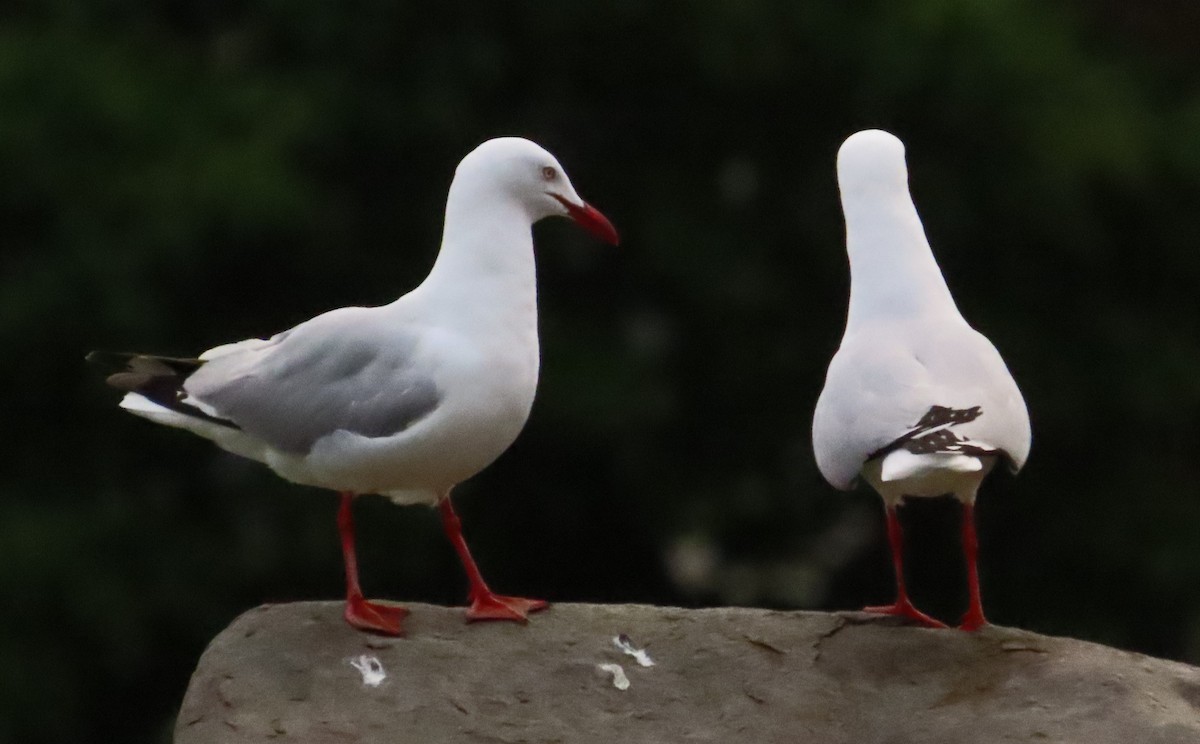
(175, 175)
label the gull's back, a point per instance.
(884, 379)
(906, 347)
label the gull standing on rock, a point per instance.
(405, 400)
(915, 401)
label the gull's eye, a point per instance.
(549, 173)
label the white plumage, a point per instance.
(407, 399)
(915, 401)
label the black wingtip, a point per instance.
(124, 361)
(156, 378)
(112, 363)
(933, 433)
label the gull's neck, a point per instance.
(484, 274)
(892, 270)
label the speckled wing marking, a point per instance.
(935, 433)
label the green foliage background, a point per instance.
(175, 175)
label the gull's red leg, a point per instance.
(359, 612)
(974, 619)
(485, 604)
(902, 607)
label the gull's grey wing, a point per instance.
(330, 374)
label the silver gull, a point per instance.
(916, 402)
(407, 399)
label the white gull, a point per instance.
(916, 401)
(407, 399)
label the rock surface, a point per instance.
(298, 673)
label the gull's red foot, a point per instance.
(496, 607)
(375, 618)
(973, 620)
(905, 609)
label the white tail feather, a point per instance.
(901, 464)
(233, 440)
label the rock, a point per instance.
(297, 673)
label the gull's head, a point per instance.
(872, 162)
(523, 171)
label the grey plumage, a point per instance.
(288, 393)
(297, 392)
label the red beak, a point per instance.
(591, 220)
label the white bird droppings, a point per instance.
(619, 680)
(371, 669)
(622, 642)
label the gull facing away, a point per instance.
(916, 401)
(404, 400)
